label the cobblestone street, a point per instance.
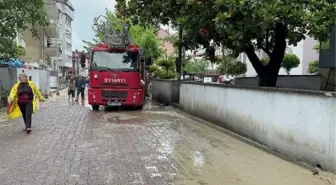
(71, 144)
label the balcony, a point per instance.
(52, 49)
(51, 9)
(68, 11)
(52, 30)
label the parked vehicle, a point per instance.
(117, 75)
(226, 79)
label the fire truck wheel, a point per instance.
(95, 107)
(139, 107)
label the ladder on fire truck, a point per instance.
(116, 34)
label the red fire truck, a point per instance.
(117, 75)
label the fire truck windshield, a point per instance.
(113, 61)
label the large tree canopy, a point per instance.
(17, 16)
(243, 25)
(144, 37)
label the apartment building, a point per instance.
(39, 50)
(167, 47)
(66, 17)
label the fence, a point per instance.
(309, 82)
(45, 80)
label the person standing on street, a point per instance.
(80, 87)
(22, 100)
(71, 89)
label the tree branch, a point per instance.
(267, 37)
(260, 45)
(255, 61)
(279, 45)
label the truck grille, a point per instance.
(114, 94)
(114, 84)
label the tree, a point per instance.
(144, 37)
(230, 66)
(210, 54)
(194, 66)
(236, 68)
(166, 64)
(290, 61)
(163, 68)
(17, 16)
(223, 64)
(120, 8)
(147, 40)
(244, 26)
(313, 67)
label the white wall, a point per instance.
(299, 124)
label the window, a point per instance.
(59, 14)
(67, 21)
(103, 60)
(69, 47)
(68, 34)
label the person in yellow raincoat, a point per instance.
(22, 100)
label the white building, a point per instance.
(304, 51)
(65, 19)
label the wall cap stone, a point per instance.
(271, 89)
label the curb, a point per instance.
(248, 141)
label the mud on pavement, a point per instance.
(71, 144)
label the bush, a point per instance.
(163, 69)
(264, 61)
(313, 67)
(290, 61)
(236, 68)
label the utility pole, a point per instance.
(179, 58)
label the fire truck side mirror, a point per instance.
(148, 62)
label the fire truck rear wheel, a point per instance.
(95, 107)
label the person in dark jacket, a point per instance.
(80, 87)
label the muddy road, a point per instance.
(71, 144)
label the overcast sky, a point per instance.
(85, 12)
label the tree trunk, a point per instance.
(267, 79)
(268, 76)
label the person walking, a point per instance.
(80, 87)
(71, 89)
(22, 100)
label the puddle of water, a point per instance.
(193, 167)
